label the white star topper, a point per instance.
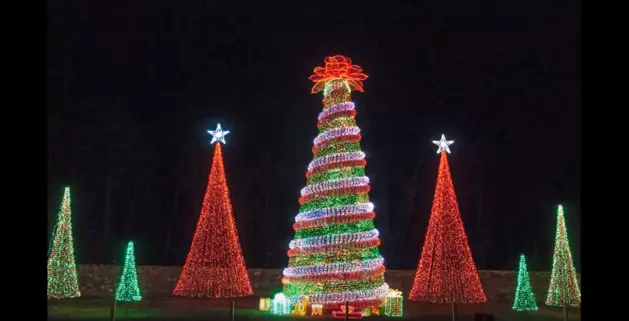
(218, 134)
(443, 144)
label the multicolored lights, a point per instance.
(446, 272)
(215, 266)
(128, 289)
(63, 280)
(334, 256)
(564, 285)
(394, 303)
(524, 297)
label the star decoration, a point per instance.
(443, 144)
(218, 135)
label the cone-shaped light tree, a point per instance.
(524, 297)
(446, 272)
(63, 280)
(128, 288)
(215, 266)
(334, 256)
(563, 290)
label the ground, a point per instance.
(182, 309)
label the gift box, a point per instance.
(265, 304)
(393, 303)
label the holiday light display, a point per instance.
(446, 272)
(280, 304)
(334, 256)
(393, 303)
(564, 286)
(350, 313)
(63, 280)
(317, 309)
(128, 289)
(265, 304)
(524, 298)
(301, 306)
(215, 266)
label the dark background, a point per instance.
(133, 87)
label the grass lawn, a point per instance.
(246, 309)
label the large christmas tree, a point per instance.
(63, 281)
(334, 257)
(215, 266)
(446, 272)
(564, 286)
(128, 289)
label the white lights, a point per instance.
(333, 268)
(335, 158)
(443, 144)
(334, 239)
(335, 133)
(336, 109)
(334, 211)
(335, 184)
(218, 135)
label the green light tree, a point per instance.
(128, 289)
(63, 281)
(563, 290)
(524, 297)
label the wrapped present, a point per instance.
(317, 309)
(265, 304)
(366, 312)
(279, 304)
(351, 314)
(393, 303)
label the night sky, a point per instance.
(133, 87)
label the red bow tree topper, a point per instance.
(338, 67)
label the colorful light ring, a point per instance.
(334, 110)
(335, 257)
(326, 167)
(339, 286)
(344, 267)
(345, 139)
(334, 239)
(335, 193)
(334, 133)
(360, 226)
(335, 201)
(336, 173)
(335, 158)
(323, 123)
(335, 220)
(333, 247)
(355, 275)
(334, 185)
(334, 211)
(358, 298)
(330, 149)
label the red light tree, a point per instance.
(215, 266)
(446, 271)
